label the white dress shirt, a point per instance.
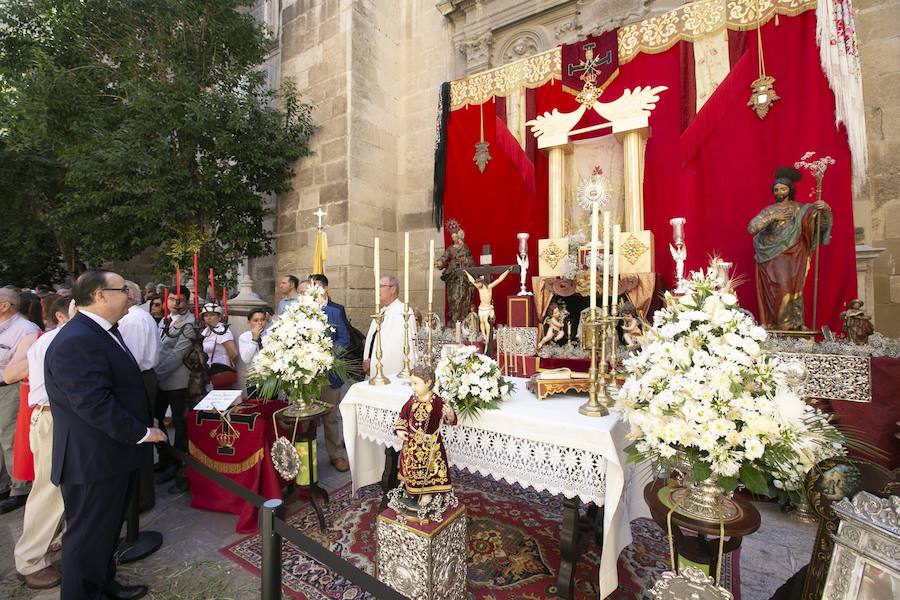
(141, 335)
(247, 347)
(392, 339)
(212, 345)
(37, 393)
(11, 333)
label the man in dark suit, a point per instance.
(332, 393)
(102, 434)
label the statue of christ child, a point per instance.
(423, 460)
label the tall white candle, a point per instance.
(594, 241)
(605, 310)
(377, 276)
(430, 271)
(617, 234)
(406, 267)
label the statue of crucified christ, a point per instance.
(486, 302)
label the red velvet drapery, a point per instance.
(715, 169)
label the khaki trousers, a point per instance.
(333, 439)
(44, 509)
(9, 410)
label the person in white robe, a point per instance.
(391, 331)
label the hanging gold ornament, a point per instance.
(763, 95)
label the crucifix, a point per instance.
(226, 434)
(485, 288)
(320, 213)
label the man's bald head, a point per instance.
(11, 296)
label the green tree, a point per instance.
(159, 121)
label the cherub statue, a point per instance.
(632, 329)
(486, 302)
(857, 324)
(555, 322)
(423, 470)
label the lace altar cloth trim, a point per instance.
(553, 468)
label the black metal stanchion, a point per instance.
(137, 544)
(271, 548)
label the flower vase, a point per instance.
(304, 409)
(705, 501)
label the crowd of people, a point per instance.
(92, 380)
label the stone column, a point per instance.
(556, 194)
(865, 276)
(238, 309)
(633, 134)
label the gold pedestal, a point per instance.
(378, 377)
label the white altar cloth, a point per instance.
(546, 444)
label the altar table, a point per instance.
(245, 459)
(545, 445)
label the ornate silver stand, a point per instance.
(405, 371)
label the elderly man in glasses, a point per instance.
(391, 331)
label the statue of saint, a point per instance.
(785, 236)
(486, 302)
(423, 469)
(857, 324)
(453, 261)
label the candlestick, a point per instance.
(406, 268)
(377, 276)
(430, 318)
(430, 274)
(594, 210)
(165, 302)
(212, 283)
(224, 300)
(378, 377)
(605, 263)
(405, 372)
(458, 332)
(677, 229)
(196, 284)
(177, 282)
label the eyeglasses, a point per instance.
(123, 289)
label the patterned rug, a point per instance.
(513, 546)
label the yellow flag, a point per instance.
(321, 254)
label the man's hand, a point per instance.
(820, 205)
(156, 435)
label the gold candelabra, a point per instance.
(613, 359)
(378, 377)
(405, 372)
(597, 326)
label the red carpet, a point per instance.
(513, 546)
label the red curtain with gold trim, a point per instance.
(714, 168)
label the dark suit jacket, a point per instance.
(340, 336)
(99, 403)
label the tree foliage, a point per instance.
(155, 122)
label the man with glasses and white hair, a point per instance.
(14, 330)
(391, 331)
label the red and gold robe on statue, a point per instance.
(784, 239)
(423, 459)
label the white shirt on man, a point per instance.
(141, 335)
(37, 392)
(213, 346)
(391, 339)
(247, 347)
(11, 333)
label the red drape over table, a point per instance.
(713, 166)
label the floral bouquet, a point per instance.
(298, 353)
(707, 393)
(470, 382)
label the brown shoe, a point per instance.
(340, 463)
(48, 577)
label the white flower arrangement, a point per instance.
(705, 390)
(470, 381)
(298, 352)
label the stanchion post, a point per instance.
(271, 548)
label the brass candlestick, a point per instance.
(613, 359)
(406, 370)
(594, 407)
(378, 378)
